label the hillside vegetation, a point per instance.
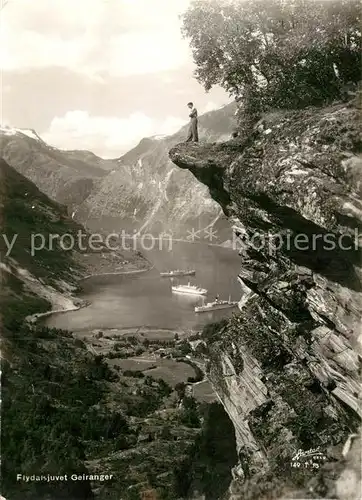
(69, 411)
(273, 54)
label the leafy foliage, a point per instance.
(190, 414)
(212, 331)
(45, 408)
(275, 53)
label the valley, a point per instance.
(139, 191)
(105, 402)
(115, 375)
(181, 320)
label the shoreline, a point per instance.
(120, 273)
(34, 317)
(140, 330)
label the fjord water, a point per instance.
(146, 299)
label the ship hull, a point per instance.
(173, 275)
(215, 308)
(190, 292)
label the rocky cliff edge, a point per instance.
(287, 368)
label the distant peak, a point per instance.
(7, 130)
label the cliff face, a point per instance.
(287, 368)
(147, 192)
(142, 190)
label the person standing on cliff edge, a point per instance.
(193, 134)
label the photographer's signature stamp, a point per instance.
(308, 459)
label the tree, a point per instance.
(185, 348)
(275, 53)
(180, 389)
(166, 433)
(190, 415)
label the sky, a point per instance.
(98, 74)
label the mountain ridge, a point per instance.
(139, 190)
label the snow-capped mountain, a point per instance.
(141, 190)
(66, 176)
(6, 130)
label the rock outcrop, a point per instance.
(287, 368)
(142, 190)
(146, 192)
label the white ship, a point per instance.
(217, 304)
(189, 289)
(178, 272)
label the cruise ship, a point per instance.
(217, 304)
(189, 289)
(179, 272)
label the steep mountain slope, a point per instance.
(38, 236)
(146, 192)
(75, 426)
(141, 190)
(65, 176)
(288, 367)
(25, 212)
(33, 283)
